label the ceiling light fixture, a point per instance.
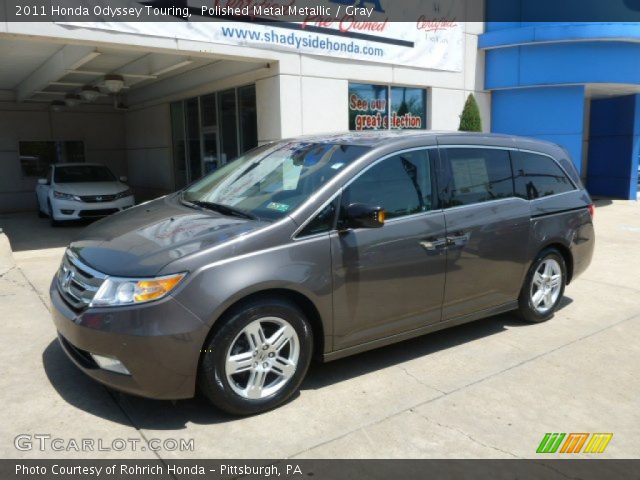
(113, 83)
(71, 100)
(90, 94)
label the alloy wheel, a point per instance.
(262, 358)
(546, 285)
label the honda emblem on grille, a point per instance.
(98, 199)
(66, 279)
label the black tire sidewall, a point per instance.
(527, 310)
(212, 378)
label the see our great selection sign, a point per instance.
(383, 107)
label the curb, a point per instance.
(6, 255)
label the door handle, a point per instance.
(457, 239)
(433, 244)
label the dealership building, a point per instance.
(165, 103)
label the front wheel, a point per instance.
(543, 287)
(258, 358)
(52, 220)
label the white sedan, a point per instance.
(74, 191)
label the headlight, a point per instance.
(116, 292)
(66, 196)
(127, 193)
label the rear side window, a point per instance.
(400, 184)
(538, 176)
(477, 175)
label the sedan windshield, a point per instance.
(272, 181)
(83, 173)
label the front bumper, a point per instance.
(159, 344)
(75, 210)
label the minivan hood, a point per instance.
(91, 188)
(140, 241)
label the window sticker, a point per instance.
(279, 207)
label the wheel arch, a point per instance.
(567, 256)
(302, 301)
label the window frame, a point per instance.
(446, 170)
(337, 196)
(558, 164)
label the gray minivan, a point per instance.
(327, 246)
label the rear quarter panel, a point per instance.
(564, 219)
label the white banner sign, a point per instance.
(432, 45)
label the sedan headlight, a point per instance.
(66, 196)
(127, 193)
(116, 292)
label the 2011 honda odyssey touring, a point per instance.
(325, 246)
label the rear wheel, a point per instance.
(258, 358)
(543, 287)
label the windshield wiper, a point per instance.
(224, 209)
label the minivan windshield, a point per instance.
(271, 181)
(83, 173)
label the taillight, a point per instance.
(592, 210)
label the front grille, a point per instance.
(97, 213)
(77, 282)
(98, 198)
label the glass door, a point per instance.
(210, 143)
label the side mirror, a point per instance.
(42, 181)
(124, 179)
(359, 215)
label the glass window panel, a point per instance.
(193, 138)
(538, 176)
(408, 108)
(229, 127)
(210, 151)
(400, 184)
(479, 175)
(368, 107)
(36, 157)
(209, 110)
(248, 118)
(178, 139)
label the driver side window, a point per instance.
(401, 184)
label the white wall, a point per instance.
(148, 151)
(101, 132)
(308, 94)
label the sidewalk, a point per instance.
(490, 389)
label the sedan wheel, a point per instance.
(257, 357)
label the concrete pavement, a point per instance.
(490, 389)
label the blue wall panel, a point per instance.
(563, 63)
(555, 114)
(613, 146)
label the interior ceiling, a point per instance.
(44, 71)
(606, 90)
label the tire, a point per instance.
(548, 273)
(277, 362)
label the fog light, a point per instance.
(110, 363)
(67, 212)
